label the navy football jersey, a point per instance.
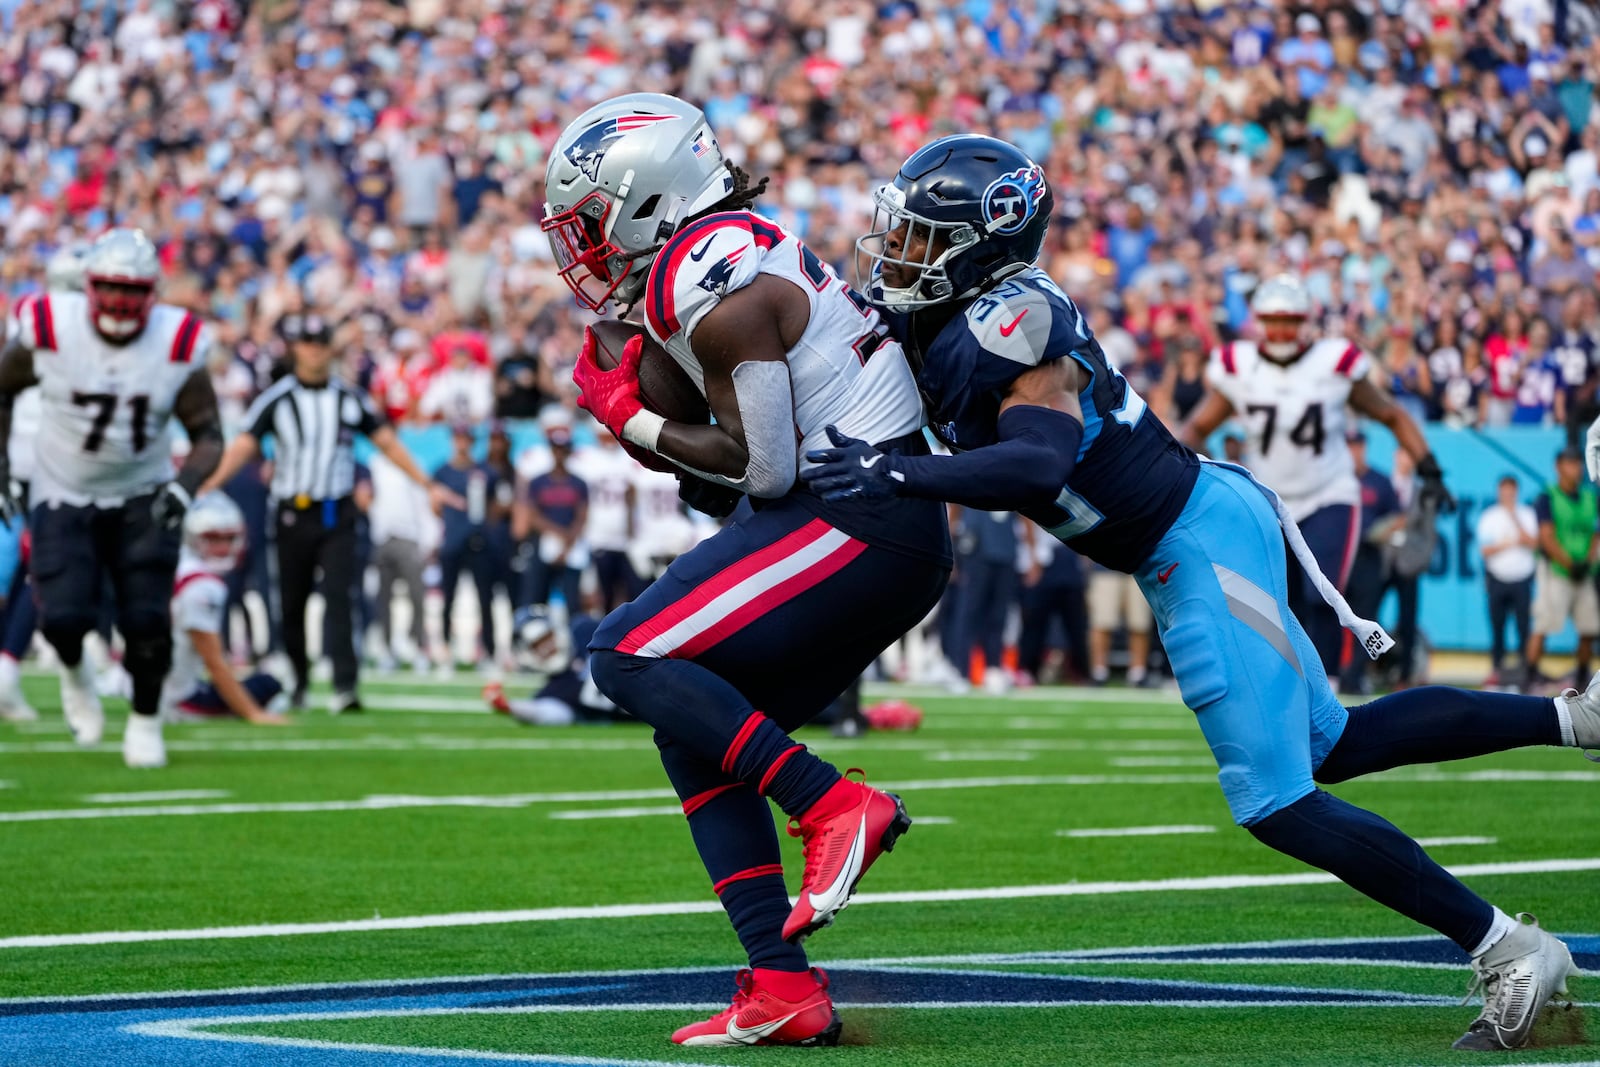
(1132, 477)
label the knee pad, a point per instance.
(70, 625)
(148, 654)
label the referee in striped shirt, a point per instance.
(313, 419)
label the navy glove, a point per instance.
(853, 470)
(170, 505)
(1432, 487)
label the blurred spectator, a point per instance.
(1508, 534)
(1563, 586)
(986, 556)
(403, 537)
(1052, 602)
(1380, 512)
(549, 520)
(467, 544)
(1115, 603)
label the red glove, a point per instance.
(612, 396)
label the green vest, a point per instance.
(1574, 519)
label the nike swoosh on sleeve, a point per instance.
(1008, 328)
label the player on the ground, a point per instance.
(1038, 421)
(113, 369)
(1291, 392)
(758, 628)
(200, 683)
(568, 694)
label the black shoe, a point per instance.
(297, 700)
(344, 703)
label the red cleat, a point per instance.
(893, 715)
(495, 695)
(844, 832)
(759, 1016)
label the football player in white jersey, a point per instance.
(63, 273)
(757, 629)
(113, 367)
(200, 683)
(1291, 391)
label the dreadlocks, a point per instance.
(743, 195)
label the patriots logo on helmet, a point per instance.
(721, 272)
(1016, 193)
(591, 145)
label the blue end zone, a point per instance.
(159, 1029)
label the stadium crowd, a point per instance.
(1430, 167)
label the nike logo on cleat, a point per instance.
(833, 898)
(1162, 576)
(1005, 331)
(750, 1035)
(700, 253)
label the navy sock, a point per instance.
(733, 832)
(780, 767)
(758, 906)
(1434, 723)
(708, 716)
(1372, 856)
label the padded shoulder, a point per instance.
(700, 265)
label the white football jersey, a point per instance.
(24, 416)
(199, 602)
(661, 529)
(608, 472)
(1295, 417)
(106, 409)
(844, 369)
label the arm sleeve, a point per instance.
(1027, 467)
(371, 421)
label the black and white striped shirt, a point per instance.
(313, 430)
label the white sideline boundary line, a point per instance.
(699, 907)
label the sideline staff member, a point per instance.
(313, 419)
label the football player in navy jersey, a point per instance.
(1039, 422)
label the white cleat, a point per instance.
(142, 746)
(14, 707)
(1584, 710)
(81, 704)
(1518, 975)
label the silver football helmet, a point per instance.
(214, 533)
(1281, 305)
(119, 277)
(63, 272)
(621, 179)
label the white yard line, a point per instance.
(1436, 842)
(155, 796)
(1136, 831)
(1162, 761)
(579, 814)
(520, 800)
(977, 756)
(1213, 883)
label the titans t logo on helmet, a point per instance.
(1016, 193)
(589, 149)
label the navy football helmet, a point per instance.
(964, 212)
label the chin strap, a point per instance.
(1374, 638)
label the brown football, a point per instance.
(663, 385)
